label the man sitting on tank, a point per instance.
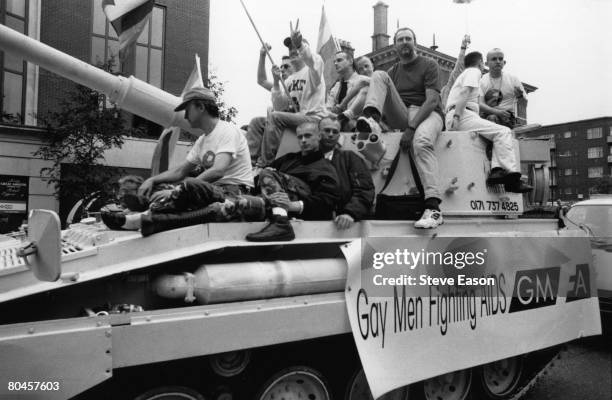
(303, 184)
(462, 115)
(355, 180)
(221, 151)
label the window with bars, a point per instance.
(595, 172)
(13, 14)
(594, 133)
(595, 152)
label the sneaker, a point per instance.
(518, 187)
(113, 220)
(430, 219)
(366, 126)
(279, 229)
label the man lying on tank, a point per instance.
(302, 184)
(221, 151)
(462, 115)
(355, 181)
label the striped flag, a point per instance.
(129, 18)
(327, 46)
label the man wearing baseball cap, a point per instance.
(306, 88)
(221, 152)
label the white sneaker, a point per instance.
(430, 219)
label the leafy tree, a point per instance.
(602, 185)
(78, 135)
(227, 113)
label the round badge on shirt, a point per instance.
(209, 159)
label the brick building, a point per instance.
(580, 154)
(163, 57)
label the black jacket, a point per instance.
(322, 178)
(356, 185)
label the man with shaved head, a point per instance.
(303, 184)
(502, 90)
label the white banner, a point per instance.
(420, 307)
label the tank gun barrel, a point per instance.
(131, 94)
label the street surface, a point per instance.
(584, 372)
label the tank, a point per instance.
(198, 312)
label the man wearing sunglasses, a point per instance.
(512, 91)
(257, 125)
(306, 88)
(354, 179)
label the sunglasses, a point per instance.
(285, 66)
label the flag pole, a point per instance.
(263, 44)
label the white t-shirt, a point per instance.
(506, 85)
(307, 85)
(468, 78)
(225, 138)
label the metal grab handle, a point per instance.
(27, 250)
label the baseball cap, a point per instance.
(196, 93)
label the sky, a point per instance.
(563, 47)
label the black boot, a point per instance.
(113, 220)
(517, 186)
(278, 230)
(497, 176)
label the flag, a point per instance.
(164, 150)
(129, 18)
(195, 79)
(327, 46)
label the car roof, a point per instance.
(602, 201)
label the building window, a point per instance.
(146, 61)
(568, 172)
(595, 172)
(566, 153)
(150, 49)
(567, 134)
(13, 14)
(104, 40)
(568, 190)
(594, 133)
(595, 152)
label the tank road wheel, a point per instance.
(295, 383)
(231, 363)
(501, 378)
(358, 389)
(452, 386)
(171, 393)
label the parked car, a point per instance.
(595, 216)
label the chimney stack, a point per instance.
(380, 38)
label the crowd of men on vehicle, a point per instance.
(232, 176)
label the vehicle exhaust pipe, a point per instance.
(220, 283)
